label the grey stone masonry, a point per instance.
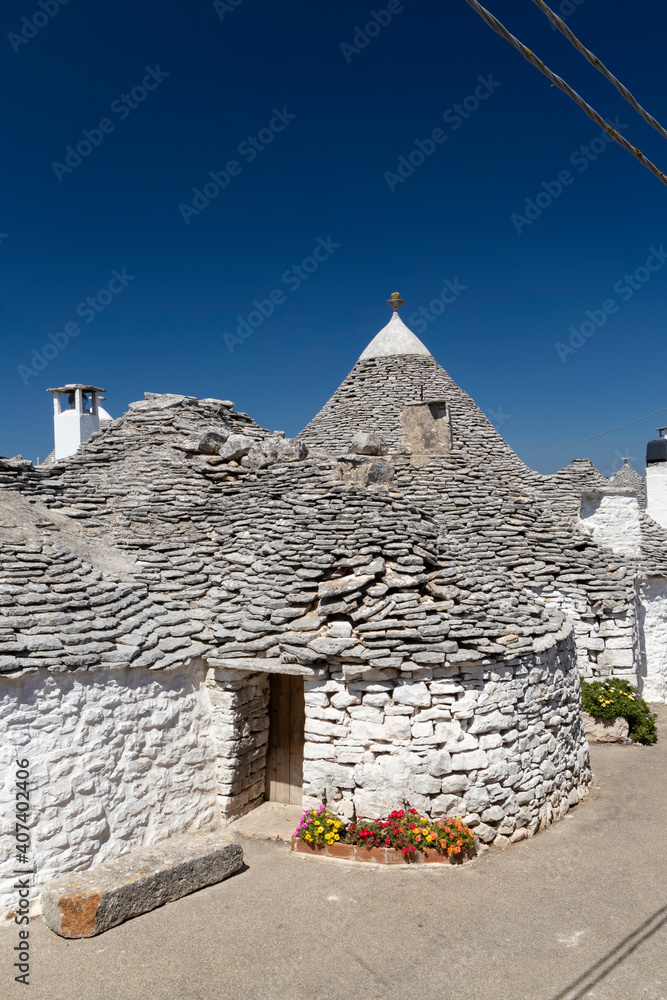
(240, 703)
(88, 903)
(500, 743)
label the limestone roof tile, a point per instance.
(184, 529)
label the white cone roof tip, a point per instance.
(394, 338)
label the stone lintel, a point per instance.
(266, 665)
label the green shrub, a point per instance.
(612, 697)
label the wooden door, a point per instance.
(284, 761)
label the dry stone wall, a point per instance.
(607, 643)
(653, 611)
(501, 744)
(240, 703)
(118, 760)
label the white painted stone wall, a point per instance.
(240, 703)
(613, 521)
(656, 492)
(500, 744)
(653, 670)
(118, 759)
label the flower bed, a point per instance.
(615, 697)
(404, 836)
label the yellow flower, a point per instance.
(336, 837)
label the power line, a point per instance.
(593, 436)
(501, 30)
(594, 61)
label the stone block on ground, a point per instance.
(614, 730)
(84, 904)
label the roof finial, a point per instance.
(395, 301)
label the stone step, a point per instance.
(270, 821)
(84, 904)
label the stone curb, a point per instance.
(375, 855)
(88, 903)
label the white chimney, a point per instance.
(656, 478)
(76, 417)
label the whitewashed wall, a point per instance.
(117, 760)
(653, 669)
(613, 521)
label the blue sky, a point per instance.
(305, 121)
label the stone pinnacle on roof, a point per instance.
(395, 338)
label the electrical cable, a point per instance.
(593, 436)
(594, 61)
(501, 30)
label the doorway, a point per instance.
(284, 760)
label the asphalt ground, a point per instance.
(579, 911)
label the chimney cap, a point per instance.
(77, 385)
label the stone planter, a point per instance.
(375, 855)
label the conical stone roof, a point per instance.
(397, 371)
(628, 477)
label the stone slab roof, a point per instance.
(628, 477)
(478, 466)
(184, 529)
(171, 536)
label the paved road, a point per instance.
(580, 911)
